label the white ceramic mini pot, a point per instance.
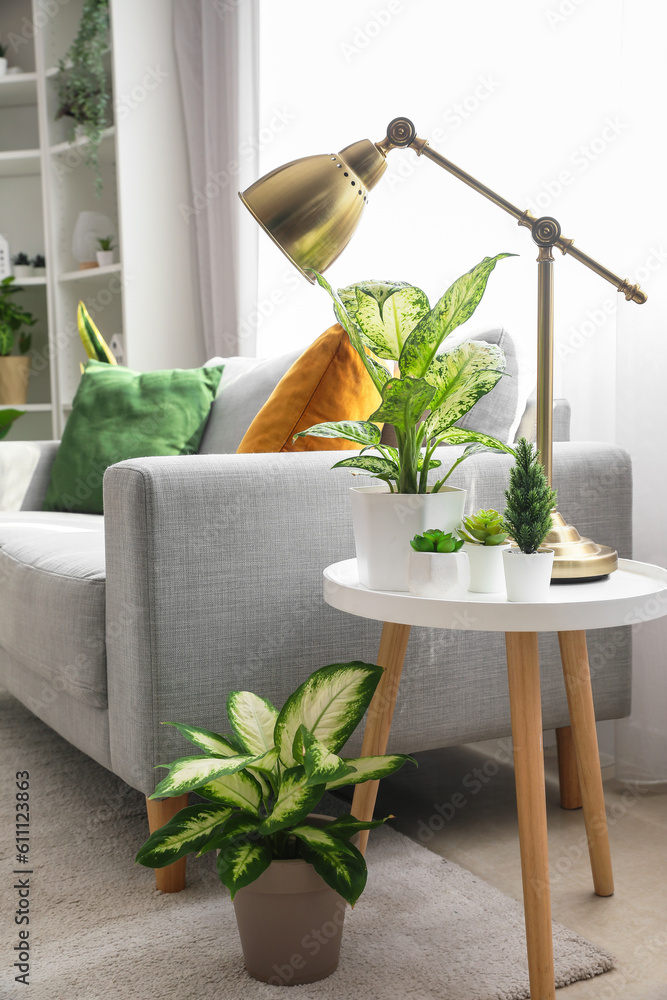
(23, 271)
(104, 258)
(3, 65)
(487, 575)
(527, 576)
(435, 574)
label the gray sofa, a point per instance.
(205, 575)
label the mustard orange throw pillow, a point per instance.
(328, 382)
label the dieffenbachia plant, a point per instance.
(435, 389)
(262, 781)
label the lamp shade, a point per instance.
(311, 207)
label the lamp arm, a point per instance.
(401, 133)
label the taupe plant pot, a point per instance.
(14, 375)
(290, 923)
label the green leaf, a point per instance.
(455, 307)
(346, 826)
(378, 373)
(295, 800)
(321, 765)
(238, 825)
(253, 720)
(241, 863)
(381, 468)
(339, 863)
(460, 435)
(187, 831)
(240, 790)
(460, 377)
(267, 764)
(188, 773)
(359, 431)
(403, 402)
(330, 704)
(7, 418)
(212, 743)
(386, 312)
(371, 768)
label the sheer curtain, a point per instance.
(217, 52)
(641, 210)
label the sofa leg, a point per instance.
(160, 811)
(570, 790)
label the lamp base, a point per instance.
(577, 559)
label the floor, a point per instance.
(462, 806)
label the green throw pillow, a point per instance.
(119, 414)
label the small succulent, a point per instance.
(106, 243)
(38, 260)
(435, 540)
(483, 528)
(21, 260)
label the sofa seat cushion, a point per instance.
(52, 615)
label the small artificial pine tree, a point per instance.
(530, 499)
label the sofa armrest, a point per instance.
(25, 470)
(214, 583)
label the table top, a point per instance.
(636, 592)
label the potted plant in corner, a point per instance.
(287, 870)
(14, 370)
(527, 517)
(434, 564)
(484, 542)
(105, 252)
(432, 391)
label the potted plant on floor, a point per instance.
(14, 370)
(22, 265)
(288, 871)
(434, 564)
(433, 390)
(527, 518)
(105, 252)
(484, 542)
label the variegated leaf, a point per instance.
(267, 764)
(378, 373)
(339, 863)
(455, 307)
(459, 435)
(241, 863)
(188, 773)
(295, 800)
(346, 826)
(381, 468)
(240, 790)
(187, 831)
(371, 768)
(460, 377)
(212, 743)
(403, 402)
(330, 704)
(264, 784)
(321, 765)
(253, 720)
(386, 313)
(359, 431)
(238, 825)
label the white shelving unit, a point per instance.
(45, 182)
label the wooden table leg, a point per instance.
(568, 775)
(523, 671)
(393, 645)
(574, 656)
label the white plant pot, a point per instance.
(435, 574)
(23, 271)
(104, 258)
(527, 577)
(487, 575)
(3, 66)
(384, 523)
(38, 272)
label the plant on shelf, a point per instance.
(14, 371)
(22, 265)
(106, 243)
(106, 246)
(528, 519)
(435, 540)
(82, 84)
(483, 528)
(435, 388)
(39, 263)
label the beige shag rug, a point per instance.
(424, 928)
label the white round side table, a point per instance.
(636, 592)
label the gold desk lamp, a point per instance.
(311, 207)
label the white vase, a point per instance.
(384, 523)
(23, 271)
(486, 567)
(435, 574)
(104, 258)
(3, 65)
(527, 576)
